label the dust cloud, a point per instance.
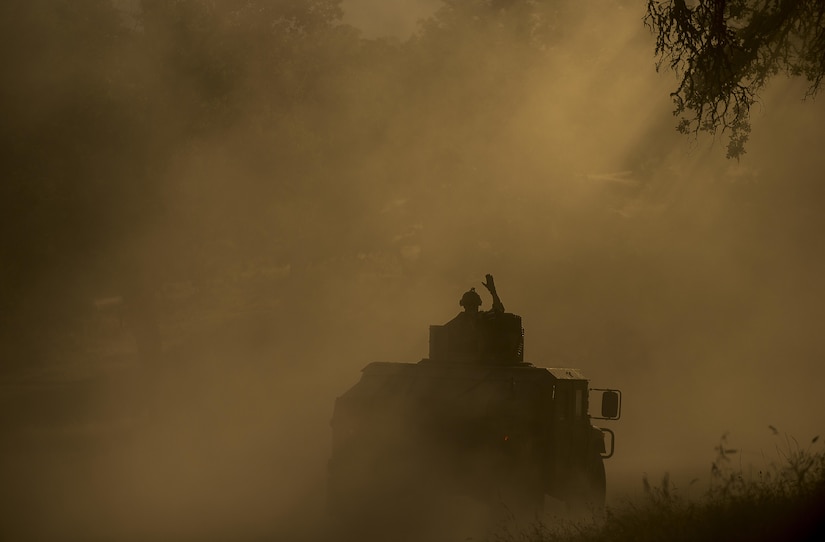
(397, 19)
(215, 214)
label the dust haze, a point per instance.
(214, 216)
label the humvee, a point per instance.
(473, 419)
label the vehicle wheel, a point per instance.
(588, 488)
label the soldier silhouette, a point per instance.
(475, 335)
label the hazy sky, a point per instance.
(396, 18)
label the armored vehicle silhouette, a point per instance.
(473, 419)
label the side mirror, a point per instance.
(611, 404)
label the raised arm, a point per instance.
(491, 287)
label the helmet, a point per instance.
(470, 299)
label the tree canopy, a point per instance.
(726, 51)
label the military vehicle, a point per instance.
(472, 420)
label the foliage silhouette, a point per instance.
(726, 51)
(785, 501)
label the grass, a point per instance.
(785, 501)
